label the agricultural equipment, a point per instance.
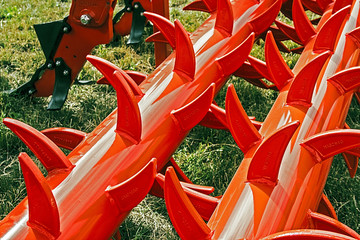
(277, 192)
(66, 43)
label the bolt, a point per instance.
(66, 29)
(128, 9)
(136, 6)
(66, 72)
(50, 65)
(58, 63)
(142, 14)
(85, 19)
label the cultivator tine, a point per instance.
(44, 149)
(289, 31)
(107, 69)
(166, 27)
(339, 4)
(346, 80)
(202, 5)
(264, 16)
(190, 115)
(65, 137)
(326, 208)
(322, 222)
(234, 59)
(186, 220)
(327, 35)
(302, 87)
(327, 144)
(303, 26)
(243, 131)
(224, 18)
(43, 211)
(265, 165)
(279, 71)
(131, 192)
(136, 76)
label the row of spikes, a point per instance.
(254, 70)
(45, 145)
(178, 200)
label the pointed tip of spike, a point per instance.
(280, 72)
(265, 17)
(185, 61)
(198, 5)
(243, 131)
(129, 119)
(43, 211)
(166, 27)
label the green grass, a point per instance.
(208, 157)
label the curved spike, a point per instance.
(308, 234)
(44, 149)
(278, 69)
(313, 6)
(326, 208)
(131, 192)
(129, 119)
(65, 137)
(166, 27)
(322, 222)
(202, 6)
(224, 18)
(289, 31)
(352, 163)
(186, 220)
(327, 35)
(190, 115)
(265, 17)
(354, 35)
(303, 26)
(43, 211)
(107, 69)
(179, 173)
(241, 128)
(261, 67)
(185, 62)
(301, 90)
(339, 4)
(265, 164)
(234, 59)
(346, 80)
(323, 4)
(330, 143)
(220, 114)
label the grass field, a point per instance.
(208, 157)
